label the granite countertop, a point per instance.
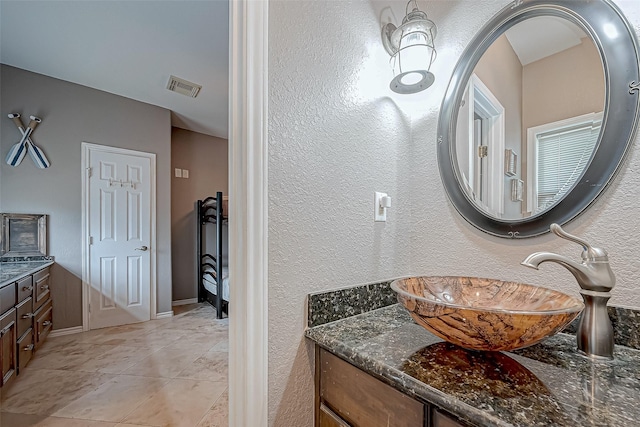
(548, 384)
(13, 271)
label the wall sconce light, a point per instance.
(412, 50)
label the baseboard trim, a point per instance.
(184, 301)
(65, 331)
(164, 315)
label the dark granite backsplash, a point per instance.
(325, 307)
(329, 306)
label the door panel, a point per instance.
(120, 229)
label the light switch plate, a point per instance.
(178, 173)
(185, 173)
(379, 213)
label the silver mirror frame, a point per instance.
(621, 63)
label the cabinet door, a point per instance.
(362, 400)
(24, 316)
(41, 290)
(8, 346)
(24, 350)
(43, 323)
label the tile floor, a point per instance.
(167, 372)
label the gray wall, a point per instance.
(73, 114)
(207, 159)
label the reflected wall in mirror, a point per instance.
(550, 86)
(539, 95)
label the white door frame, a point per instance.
(483, 100)
(248, 203)
(87, 148)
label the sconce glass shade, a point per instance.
(412, 50)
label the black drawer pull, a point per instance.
(29, 347)
(28, 315)
(27, 288)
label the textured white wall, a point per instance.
(611, 223)
(337, 134)
(334, 140)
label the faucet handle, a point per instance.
(589, 253)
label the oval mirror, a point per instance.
(541, 110)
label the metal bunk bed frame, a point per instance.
(210, 211)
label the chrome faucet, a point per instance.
(594, 275)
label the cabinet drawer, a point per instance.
(24, 349)
(25, 288)
(328, 418)
(8, 346)
(7, 297)
(43, 323)
(41, 290)
(24, 316)
(363, 401)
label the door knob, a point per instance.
(142, 248)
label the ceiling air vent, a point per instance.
(183, 87)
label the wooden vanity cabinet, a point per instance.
(26, 318)
(349, 397)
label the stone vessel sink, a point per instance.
(485, 314)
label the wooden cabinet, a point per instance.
(8, 346)
(349, 397)
(26, 318)
(358, 399)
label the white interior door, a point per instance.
(119, 227)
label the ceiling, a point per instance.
(542, 36)
(129, 48)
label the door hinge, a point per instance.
(89, 308)
(483, 151)
(90, 240)
(89, 169)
